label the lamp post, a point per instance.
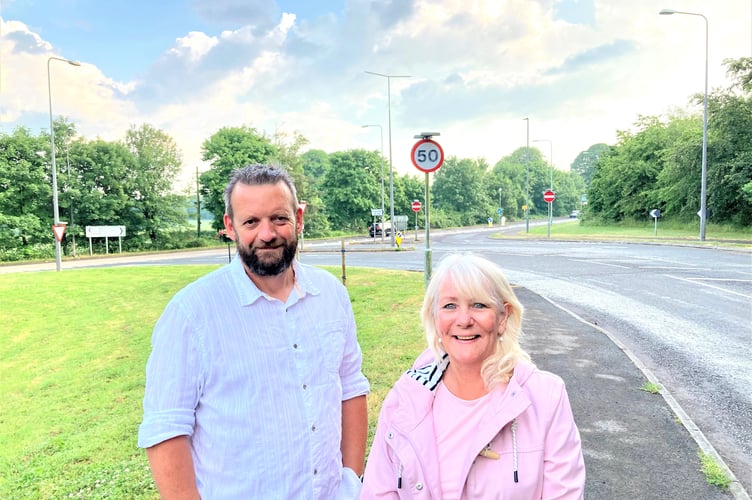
(55, 209)
(389, 132)
(527, 177)
(704, 174)
(381, 163)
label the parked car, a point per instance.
(574, 214)
(376, 229)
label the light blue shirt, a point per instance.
(256, 384)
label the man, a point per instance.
(254, 386)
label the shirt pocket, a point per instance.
(330, 340)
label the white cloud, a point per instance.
(477, 69)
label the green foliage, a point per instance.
(458, 187)
(714, 474)
(352, 187)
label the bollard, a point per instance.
(344, 274)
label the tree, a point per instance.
(25, 190)
(458, 188)
(157, 162)
(585, 162)
(227, 149)
(351, 188)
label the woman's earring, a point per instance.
(439, 340)
(501, 338)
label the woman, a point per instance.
(474, 418)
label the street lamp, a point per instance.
(389, 129)
(381, 163)
(55, 209)
(704, 174)
(527, 177)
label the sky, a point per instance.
(489, 76)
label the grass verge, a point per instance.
(74, 346)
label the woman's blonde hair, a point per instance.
(480, 280)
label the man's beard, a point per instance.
(269, 267)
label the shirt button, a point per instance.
(419, 486)
(313, 428)
(315, 471)
(295, 346)
(305, 386)
(389, 435)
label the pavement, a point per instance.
(637, 445)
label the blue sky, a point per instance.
(580, 70)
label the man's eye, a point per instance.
(281, 219)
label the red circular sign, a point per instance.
(416, 206)
(548, 196)
(427, 155)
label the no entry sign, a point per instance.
(416, 206)
(548, 196)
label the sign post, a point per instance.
(416, 208)
(427, 156)
(655, 214)
(549, 196)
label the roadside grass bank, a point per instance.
(74, 347)
(667, 233)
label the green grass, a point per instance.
(645, 232)
(73, 347)
(714, 475)
(651, 388)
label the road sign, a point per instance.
(499, 210)
(59, 231)
(655, 213)
(427, 155)
(303, 205)
(548, 196)
(416, 206)
(376, 212)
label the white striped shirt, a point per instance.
(257, 384)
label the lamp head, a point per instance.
(74, 63)
(667, 12)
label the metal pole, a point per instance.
(500, 211)
(389, 123)
(704, 172)
(527, 177)
(55, 208)
(198, 207)
(428, 264)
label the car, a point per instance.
(574, 214)
(376, 229)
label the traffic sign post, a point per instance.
(59, 230)
(549, 196)
(655, 214)
(416, 206)
(427, 156)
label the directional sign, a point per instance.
(416, 206)
(655, 213)
(59, 231)
(549, 196)
(427, 155)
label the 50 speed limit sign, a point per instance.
(427, 155)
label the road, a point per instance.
(683, 312)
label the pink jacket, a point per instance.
(530, 425)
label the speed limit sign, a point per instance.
(427, 155)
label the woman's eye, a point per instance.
(478, 305)
(448, 306)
